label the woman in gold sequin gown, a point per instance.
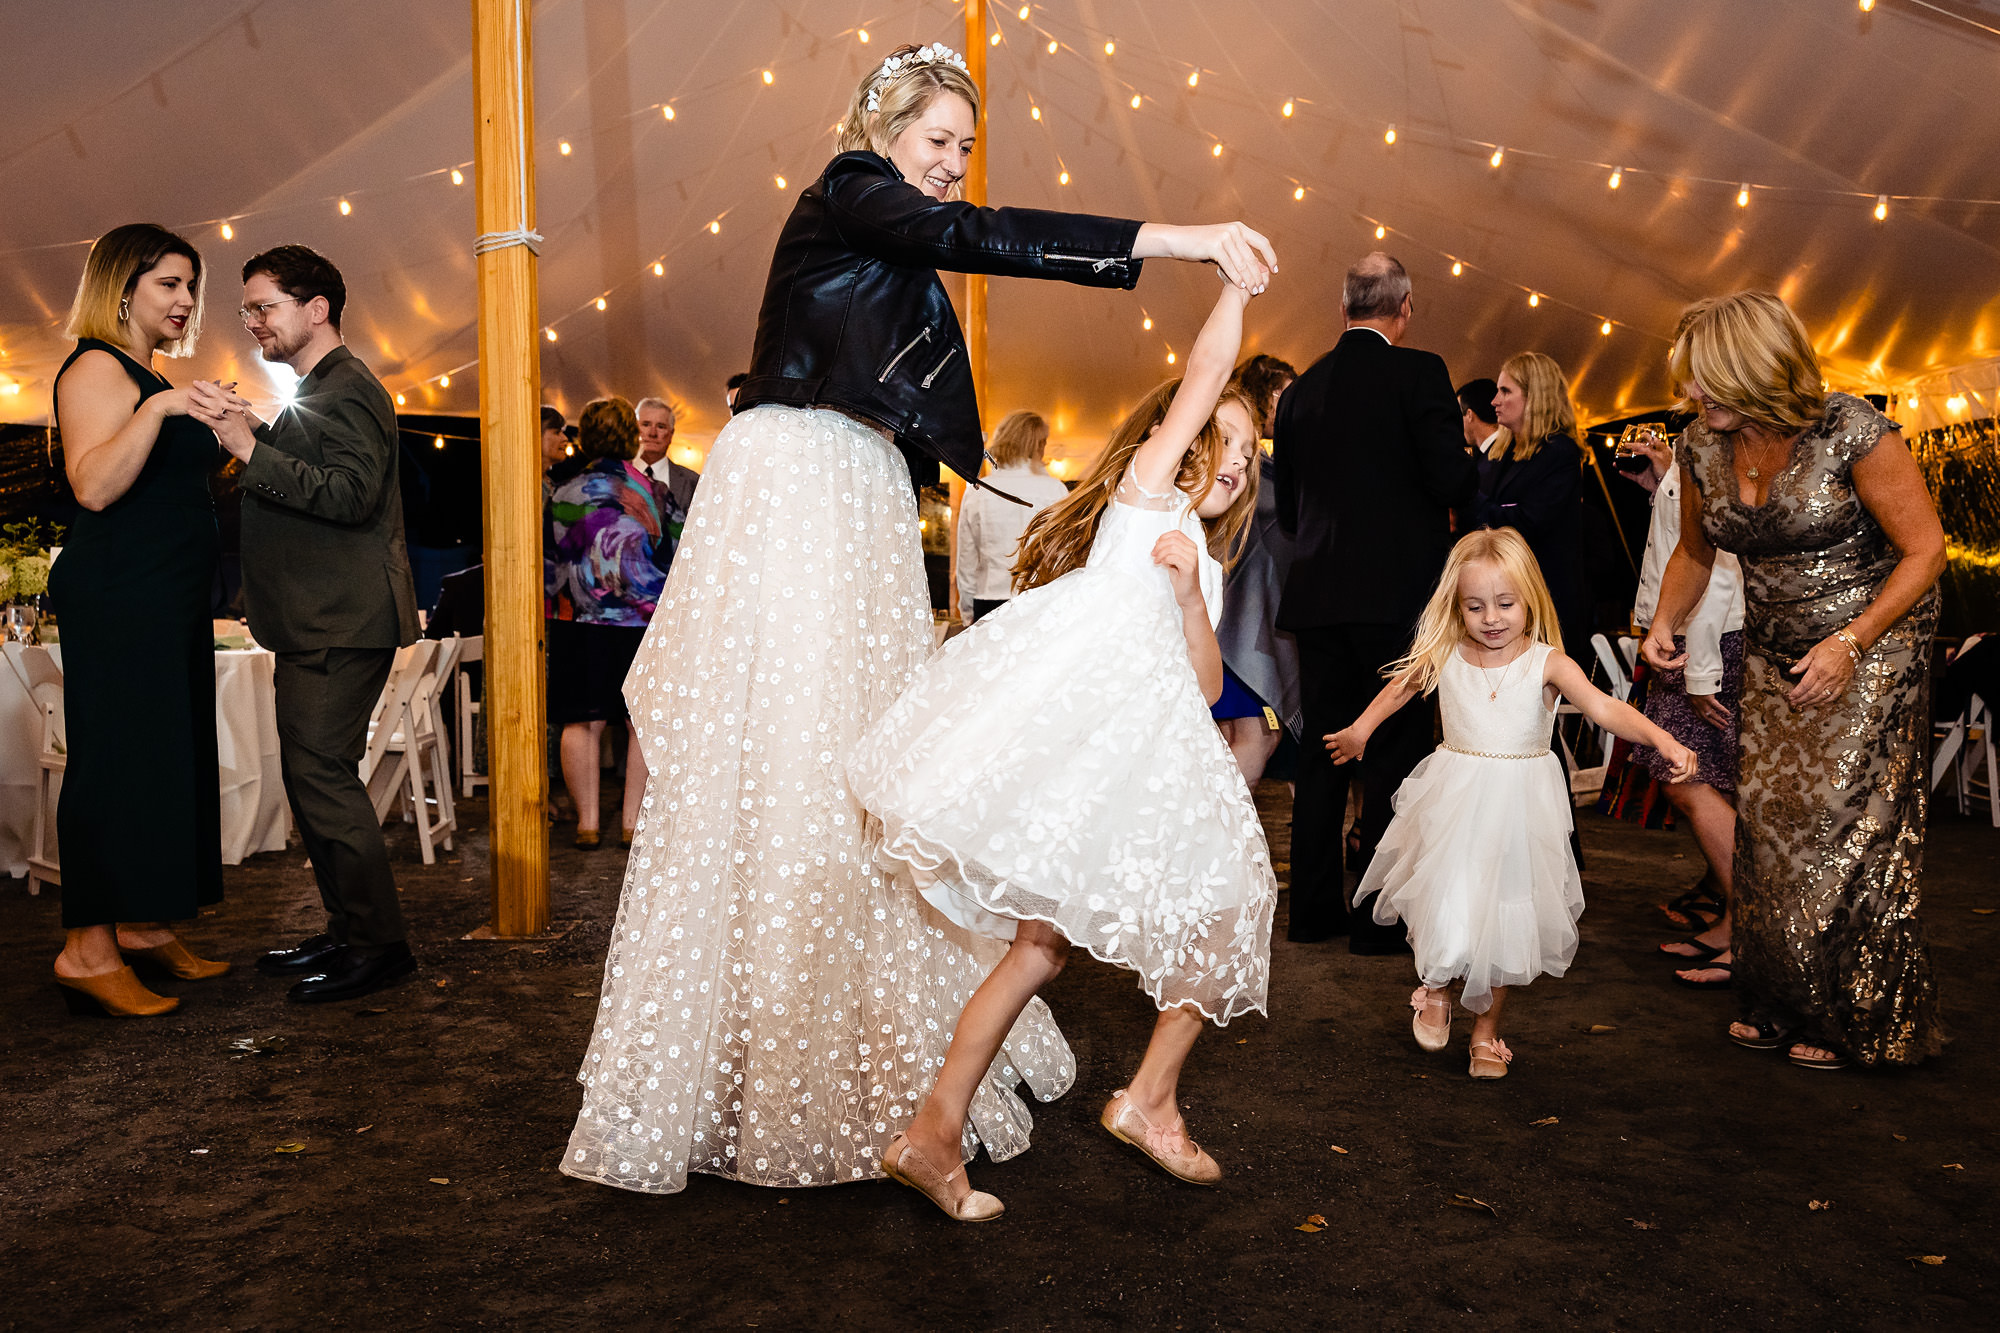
(1840, 548)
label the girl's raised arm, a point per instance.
(1615, 716)
(1209, 366)
(1350, 742)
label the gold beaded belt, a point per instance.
(1485, 754)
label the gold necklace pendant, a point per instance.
(1754, 474)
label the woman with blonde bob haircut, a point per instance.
(990, 523)
(756, 930)
(1536, 483)
(132, 588)
(1840, 549)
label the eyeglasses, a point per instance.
(254, 314)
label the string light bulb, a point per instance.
(1617, 177)
(1534, 299)
(11, 388)
(780, 181)
(863, 35)
(1287, 109)
(1389, 135)
(1194, 78)
(444, 381)
(345, 208)
(1867, 6)
(600, 303)
(667, 112)
(1298, 192)
(1499, 155)
(1023, 13)
(1063, 179)
(438, 443)
(1111, 48)
(769, 78)
(1381, 232)
(1956, 402)
(1035, 113)
(659, 269)
(1743, 195)
(1881, 207)
(228, 232)
(457, 176)
(1135, 101)
(1053, 44)
(994, 40)
(1171, 358)
(1605, 328)
(1215, 151)
(550, 334)
(563, 147)
(400, 400)
(1147, 323)
(1457, 269)
(715, 227)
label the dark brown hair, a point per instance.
(608, 428)
(305, 273)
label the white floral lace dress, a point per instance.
(773, 1008)
(1057, 762)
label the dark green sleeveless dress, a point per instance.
(139, 822)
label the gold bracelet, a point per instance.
(1852, 644)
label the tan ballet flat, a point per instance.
(117, 994)
(175, 958)
(906, 1166)
(1128, 1124)
(1429, 1037)
(1493, 1065)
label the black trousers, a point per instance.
(324, 699)
(1340, 672)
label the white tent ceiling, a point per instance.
(269, 113)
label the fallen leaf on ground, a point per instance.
(374, 1011)
(1954, 1166)
(538, 951)
(1932, 1259)
(199, 1152)
(1985, 911)
(1337, 1148)
(290, 1147)
(1420, 1076)
(1242, 1041)
(1545, 1120)
(440, 1180)
(259, 1045)
(1900, 1138)
(1819, 1205)
(1476, 1205)
(1308, 1227)
(443, 982)
(1643, 1226)
(1596, 1028)
(364, 1129)
(583, 995)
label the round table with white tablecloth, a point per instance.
(255, 817)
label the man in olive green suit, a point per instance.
(326, 582)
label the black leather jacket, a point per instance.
(855, 318)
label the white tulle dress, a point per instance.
(774, 1009)
(1477, 861)
(1057, 762)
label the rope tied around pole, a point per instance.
(488, 242)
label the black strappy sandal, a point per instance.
(1710, 966)
(1699, 959)
(1770, 1036)
(1696, 910)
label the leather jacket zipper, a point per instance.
(940, 367)
(1096, 265)
(896, 360)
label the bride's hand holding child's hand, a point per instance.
(1176, 552)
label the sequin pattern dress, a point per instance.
(1831, 801)
(773, 1010)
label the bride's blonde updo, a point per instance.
(902, 95)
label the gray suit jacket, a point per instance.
(324, 564)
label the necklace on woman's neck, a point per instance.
(1751, 470)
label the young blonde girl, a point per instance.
(1477, 860)
(1052, 777)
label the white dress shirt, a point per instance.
(1720, 610)
(990, 528)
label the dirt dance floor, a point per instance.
(249, 1164)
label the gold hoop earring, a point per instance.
(124, 309)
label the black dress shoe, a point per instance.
(302, 959)
(348, 975)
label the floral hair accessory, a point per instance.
(937, 53)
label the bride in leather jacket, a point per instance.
(772, 1009)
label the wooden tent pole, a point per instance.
(510, 395)
(975, 192)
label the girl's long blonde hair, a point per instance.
(1549, 409)
(1441, 628)
(1058, 539)
(904, 96)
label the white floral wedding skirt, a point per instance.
(773, 1009)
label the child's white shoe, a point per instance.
(1430, 1036)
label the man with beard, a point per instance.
(326, 583)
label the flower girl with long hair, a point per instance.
(1053, 776)
(1477, 860)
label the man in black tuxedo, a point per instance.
(1481, 425)
(1370, 462)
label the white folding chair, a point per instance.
(1967, 752)
(398, 737)
(43, 680)
(1617, 684)
(1628, 648)
(470, 772)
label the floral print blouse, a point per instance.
(605, 548)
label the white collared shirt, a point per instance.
(990, 528)
(1720, 610)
